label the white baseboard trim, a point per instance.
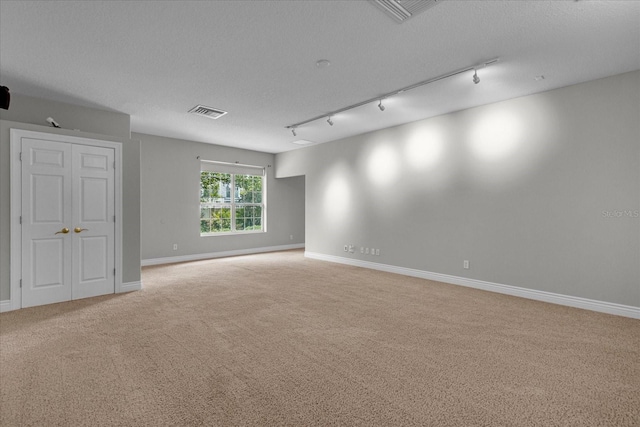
(5, 305)
(130, 286)
(222, 254)
(570, 301)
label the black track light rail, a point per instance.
(396, 92)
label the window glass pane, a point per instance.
(219, 212)
(243, 188)
(252, 186)
(240, 212)
(214, 186)
(204, 187)
(218, 199)
(257, 189)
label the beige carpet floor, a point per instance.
(277, 339)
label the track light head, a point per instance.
(330, 121)
(476, 79)
(293, 131)
(380, 106)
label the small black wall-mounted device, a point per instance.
(5, 97)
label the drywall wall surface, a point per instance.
(27, 109)
(540, 192)
(170, 182)
(131, 196)
(292, 164)
(131, 203)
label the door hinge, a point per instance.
(21, 156)
(114, 218)
(20, 282)
(114, 165)
(114, 271)
(20, 219)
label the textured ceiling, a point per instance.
(257, 60)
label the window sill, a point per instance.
(232, 233)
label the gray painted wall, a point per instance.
(170, 184)
(540, 192)
(96, 124)
(27, 109)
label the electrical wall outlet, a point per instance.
(377, 252)
(366, 251)
(465, 264)
(346, 248)
(175, 246)
(290, 236)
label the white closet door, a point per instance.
(93, 221)
(68, 221)
(46, 218)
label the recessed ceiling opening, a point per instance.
(303, 142)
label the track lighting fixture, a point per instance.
(476, 79)
(383, 96)
(293, 131)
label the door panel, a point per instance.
(93, 248)
(94, 193)
(93, 258)
(46, 209)
(48, 199)
(47, 267)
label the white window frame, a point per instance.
(234, 169)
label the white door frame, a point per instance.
(16, 203)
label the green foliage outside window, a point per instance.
(230, 203)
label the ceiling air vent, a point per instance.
(203, 110)
(401, 10)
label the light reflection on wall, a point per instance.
(505, 144)
(424, 148)
(336, 201)
(383, 164)
(496, 136)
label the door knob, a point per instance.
(79, 230)
(63, 231)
